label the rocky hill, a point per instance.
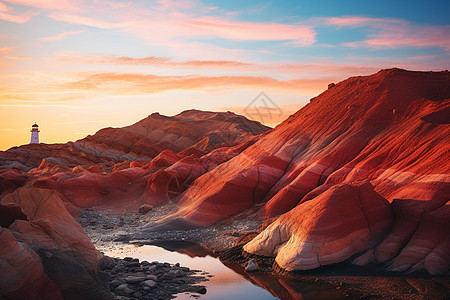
(368, 148)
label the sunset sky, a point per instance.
(75, 66)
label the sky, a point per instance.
(76, 66)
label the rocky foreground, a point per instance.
(130, 279)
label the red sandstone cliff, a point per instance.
(390, 128)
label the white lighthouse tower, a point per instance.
(34, 134)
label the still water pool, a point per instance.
(225, 281)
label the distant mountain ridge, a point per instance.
(190, 132)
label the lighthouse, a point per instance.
(34, 134)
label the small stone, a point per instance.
(151, 268)
(93, 221)
(252, 266)
(149, 283)
(137, 294)
(151, 277)
(185, 269)
(166, 276)
(134, 265)
(128, 258)
(124, 288)
(121, 287)
(115, 283)
(179, 273)
(201, 290)
(145, 208)
(106, 262)
(134, 279)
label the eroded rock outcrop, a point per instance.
(48, 254)
(390, 128)
(340, 222)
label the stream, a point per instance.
(226, 281)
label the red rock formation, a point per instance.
(10, 180)
(48, 240)
(428, 247)
(330, 228)
(110, 166)
(22, 275)
(391, 128)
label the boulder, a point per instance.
(330, 228)
(47, 254)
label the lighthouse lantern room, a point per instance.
(34, 134)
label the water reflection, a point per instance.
(227, 281)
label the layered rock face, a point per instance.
(391, 128)
(97, 170)
(340, 222)
(44, 252)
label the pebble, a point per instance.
(202, 290)
(178, 273)
(106, 262)
(149, 283)
(134, 279)
(151, 277)
(252, 266)
(145, 208)
(124, 289)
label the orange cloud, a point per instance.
(18, 57)
(291, 68)
(126, 83)
(30, 88)
(5, 50)
(62, 35)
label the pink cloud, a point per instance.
(87, 21)
(150, 61)
(7, 14)
(49, 4)
(62, 35)
(395, 33)
(351, 20)
(237, 30)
